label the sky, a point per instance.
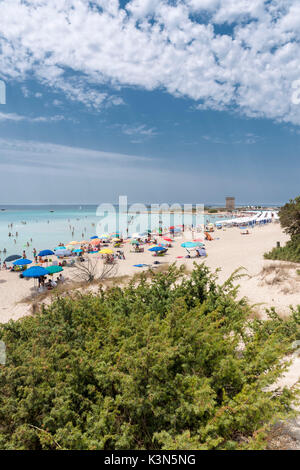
(184, 101)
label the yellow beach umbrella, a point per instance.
(74, 243)
(106, 251)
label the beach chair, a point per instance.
(208, 236)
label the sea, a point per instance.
(44, 227)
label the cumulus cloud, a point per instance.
(224, 54)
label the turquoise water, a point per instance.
(41, 229)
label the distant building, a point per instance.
(230, 203)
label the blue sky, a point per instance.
(177, 109)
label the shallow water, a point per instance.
(41, 229)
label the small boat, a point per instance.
(51, 210)
(3, 210)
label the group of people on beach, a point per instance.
(50, 283)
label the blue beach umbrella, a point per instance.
(22, 262)
(156, 248)
(77, 251)
(11, 258)
(189, 244)
(46, 253)
(93, 238)
(35, 272)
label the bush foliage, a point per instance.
(289, 252)
(168, 362)
(289, 216)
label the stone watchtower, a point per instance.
(230, 203)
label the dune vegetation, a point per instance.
(289, 216)
(169, 361)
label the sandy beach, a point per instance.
(266, 284)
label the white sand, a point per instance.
(229, 250)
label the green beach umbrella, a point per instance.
(54, 269)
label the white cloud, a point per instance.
(75, 45)
(61, 155)
(248, 139)
(19, 117)
(139, 130)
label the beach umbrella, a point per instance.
(95, 241)
(168, 239)
(78, 250)
(35, 272)
(74, 243)
(22, 262)
(198, 240)
(54, 269)
(11, 258)
(156, 248)
(189, 244)
(104, 235)
(92, 238)
(45, 253)
(59, 248)
(106, 251)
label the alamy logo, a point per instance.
(2, 92)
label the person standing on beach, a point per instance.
(160, 229)
(24, 254)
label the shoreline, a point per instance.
(228, 251)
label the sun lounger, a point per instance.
(208, 236)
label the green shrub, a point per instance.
(289, 216)
(165, 363)
(289, 252)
